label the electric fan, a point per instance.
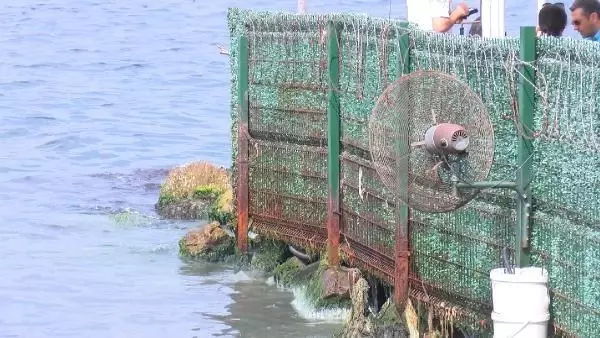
(429, 133)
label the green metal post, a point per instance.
(242, 157)
(404, 50)
(333, 144)
(526, 85)
(401, 273)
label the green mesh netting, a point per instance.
(287, 119)
(566, 184)
(452, 252)
(455, 251)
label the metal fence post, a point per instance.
(401, 259)
(242, 157)
(333, 144)
(526, 87)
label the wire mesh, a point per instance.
(288, 78)
(288, 183)
(287, 124)
(369, 62)
(370, 53)
(367, 214)
(455, 251)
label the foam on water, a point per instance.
(240, 276)
(129, 217)
(308, 312)
(158, 249)
(270, 281)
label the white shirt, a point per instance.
(422, 12)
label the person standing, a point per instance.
(585, 16)
(435, 15)
(552, 20)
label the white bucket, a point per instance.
(521, 303)
(523, 294)
(514, 327)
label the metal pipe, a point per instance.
(333, 145)
(298, 254)
(526, 87)
(402, 251)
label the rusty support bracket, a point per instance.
(401, 272)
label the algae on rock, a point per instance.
(290, 272)
(359, 324)
(387, 323)
(274, 259)
(314, 289)
(198, 190)
(268, 255)
(209, 243)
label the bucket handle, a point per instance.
(507, 267)
(520, 329)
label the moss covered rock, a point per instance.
(209, 243)
(198, 190)
(314, 291)
(290, 273)
(268, 255)
(388, 322)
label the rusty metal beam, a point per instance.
(242, 156)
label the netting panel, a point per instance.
(287, 122)
(453, 252)
(566, 231)
(288, 183)
(288, 77)
(370, 61)
(368, 214)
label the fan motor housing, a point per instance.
(446, 138)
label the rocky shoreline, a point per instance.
(202, 191)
